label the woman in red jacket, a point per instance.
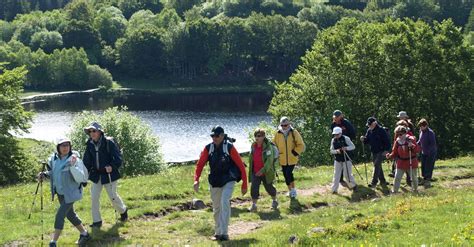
(404, 150)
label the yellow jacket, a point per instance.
(290, 147)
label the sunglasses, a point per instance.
(92, 131)
(284, 125)
(215, 136)
(257, 136)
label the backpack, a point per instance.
(233, 169)
(117, 145)
(276, 156)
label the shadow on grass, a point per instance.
(271, 215)
(239, 242)
(295, 206)
(362, 193)
(235, 212)
(110, 236)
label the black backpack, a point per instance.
(233, 169)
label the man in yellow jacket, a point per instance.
(290, 145)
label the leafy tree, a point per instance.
(6, 31)
(377, 69)
(13, 117)
(110, 23)
(140, 147)
(46, 40)
(470, 23)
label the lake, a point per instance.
(182, 122)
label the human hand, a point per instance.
(73, 160)
(41, 176)
(108, 169)
(362, 138)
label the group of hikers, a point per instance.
(102, 159)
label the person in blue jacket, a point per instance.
(103, 159)
(66, 188)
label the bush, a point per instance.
(140, 148)
(99, 77)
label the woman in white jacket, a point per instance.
(341, 147)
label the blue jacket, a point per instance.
(377, 139)
(105, 158)
(72, 190)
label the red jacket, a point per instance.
(402, 153)
(235, 156)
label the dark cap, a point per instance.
(370, 120)
(337, 113)
(217, 130)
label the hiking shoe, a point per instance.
(334, 192)
(253, 208)
(372, 186)
(97, 224)
(216, 237)
(83, 239)
(354, 188)
(224, 237)
(293, 193)
(52, 244)
(124, 216)
(275, 205)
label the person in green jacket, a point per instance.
(262, 168)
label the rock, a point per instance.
(292, 239)
(318, 229)
(198, 204)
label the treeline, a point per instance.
(192, 39)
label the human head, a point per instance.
(94, 130)
(259, 135)
(337, 132)
(217, 134)
(400, 131)
(371, 122)
(285, 123)
(337, 115)
(63, 146)
(402, 123)
(423, 124)
(402, 115)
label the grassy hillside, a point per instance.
(160, 212)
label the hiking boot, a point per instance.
(83, 239)
(334, 192)
(124, 216)
(224, 237)
(293, 193)
(216, 237)
(354, 188)
(97, 224)
(372, 186)
(52, 244)
(275, 205)
(253, 208)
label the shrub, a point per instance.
(99, 76)
(140, 148)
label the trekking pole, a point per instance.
(39, 187)
(365, 162)
(355, 167)
(347, 169)
(113, 197)
(411, 171)
(41, 207)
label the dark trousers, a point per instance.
(378, 171)
(65, 210)
(427, 165)
(255, 187)
(288, 173)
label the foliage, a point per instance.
(140, 147)
(14, 164)
(378, 69)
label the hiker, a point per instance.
(348, 130)
(406, 124)
(341, 146)
(262, 168)
(66, 188)
(226, 169)
(103, 159)
(427, 142)
(291, 146)
(402, 115)
(379, 143)
(403, 147)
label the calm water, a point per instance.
(182, 134)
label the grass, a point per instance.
(442, 215)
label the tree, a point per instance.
(46, 40)
(13, 117)
(376, 69)
(111, 24)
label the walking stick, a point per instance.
(411, 172)
(365, 162)
(355, 167)
(347, 169)
(113, 197)
(39, 187)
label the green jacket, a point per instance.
(268, 160)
